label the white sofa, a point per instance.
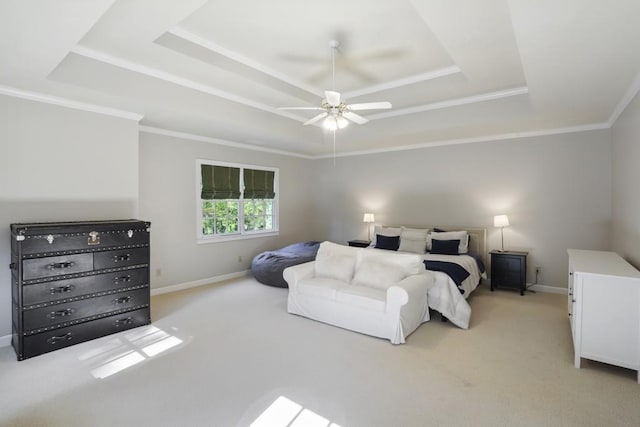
(371, 291)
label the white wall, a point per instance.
(167, 199)
(555, 189)
(60, 164)
(626, 179)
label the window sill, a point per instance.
(227, 238)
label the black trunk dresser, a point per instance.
(76, 281)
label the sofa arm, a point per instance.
(407, 305)
(414, 287)
(292, 275)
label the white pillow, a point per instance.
(409, 263)
(385, 231)
(374, 274)
(463, 236)
(413, 240)
(335, 261)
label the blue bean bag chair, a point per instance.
(267, 267)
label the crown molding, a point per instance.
(234, 56)
(69, 103)
(180, 81)
(405, 81)
(628, 96)
(489, 96)
(200, 138)
(488, 138)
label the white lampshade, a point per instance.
(500, 221)
(368, 217)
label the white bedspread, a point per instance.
(445, 297)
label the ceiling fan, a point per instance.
(335, 112)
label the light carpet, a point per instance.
(221, 355)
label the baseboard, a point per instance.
(196, 283)
(545, 288)
(5, 341)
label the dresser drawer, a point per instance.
(72, 311)
(70, 288)
(507, 264)
(64, 337)
(56, 266)
(120, 258)
(87, 237)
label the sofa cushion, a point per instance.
(377, 274)
(335, 261)
(320, 287)
(409, 263)
(363, 297)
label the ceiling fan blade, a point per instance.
(333, 98)
(300, 108)
(370, 106)
(354, 117)
(316, 118)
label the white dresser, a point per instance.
(604, 308)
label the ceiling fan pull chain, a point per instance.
(334, 148)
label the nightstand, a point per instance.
(509, 270)
(359, 243)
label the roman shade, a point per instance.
(258, 184)
(220, 182)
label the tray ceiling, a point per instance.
(221, 68)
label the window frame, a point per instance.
(241, 234)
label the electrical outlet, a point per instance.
(239, 258)
(538, 269)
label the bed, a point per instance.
(455, 276)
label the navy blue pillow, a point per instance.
(445, 247)
(386, 242)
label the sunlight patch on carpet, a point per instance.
(284, 412)
(128, 349)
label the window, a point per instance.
(235, 201)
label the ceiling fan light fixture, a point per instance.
(336, 113)
(335, 123)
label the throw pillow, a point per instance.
(413, 240)
(444, 247)
(462, 236)
(387, 242)
(385, 231)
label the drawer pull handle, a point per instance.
(66, 337)
(57, 265)
(61, 289)
(120, 258)
(61, 313)
(122, 300)
(124, 279)
(121, 322)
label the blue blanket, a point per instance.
(457, 273)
